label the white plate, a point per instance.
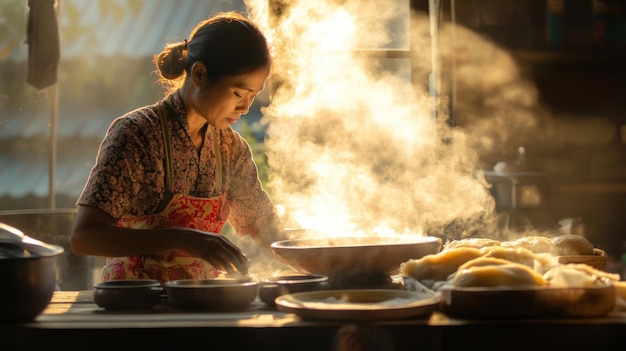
(358, 304)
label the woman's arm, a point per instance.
(95, 232)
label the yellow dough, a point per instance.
(477, 243)
(511, 275)
(517, 255)
(440, 265)
(483, 261)
(578, 275)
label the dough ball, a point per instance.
(572, 244)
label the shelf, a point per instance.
(572, 57)
(592, 187)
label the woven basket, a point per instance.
(597, 260)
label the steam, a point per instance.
(355, 147)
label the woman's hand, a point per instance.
(218, 251)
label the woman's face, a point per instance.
(224, 102)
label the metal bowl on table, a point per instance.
(211, 294)
(129, 294)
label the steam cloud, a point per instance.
(355, 148)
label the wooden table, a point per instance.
(73, 321)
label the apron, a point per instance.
(206, 214)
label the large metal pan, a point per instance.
(345, 257)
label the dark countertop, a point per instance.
(72, 320)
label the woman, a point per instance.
(169, 175)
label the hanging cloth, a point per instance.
(42, 35)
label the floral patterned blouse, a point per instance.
(128, 177)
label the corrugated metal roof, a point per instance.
(114, 27)
(24, 133)
(26, 172)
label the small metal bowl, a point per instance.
(130, 294)
(273, 287)
(211, 294)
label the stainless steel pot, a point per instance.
(28, 273)
(518, 190)
(74, 272)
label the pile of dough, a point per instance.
(482, 262)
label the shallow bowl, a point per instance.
(211, 294)
(130, 294)
(342, 257)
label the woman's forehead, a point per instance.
(253, 81)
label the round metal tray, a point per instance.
(358, 304)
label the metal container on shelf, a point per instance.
(514, 186)
(521, 194)
(517, 190)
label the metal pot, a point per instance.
(211, 294)
(518, 190)
(74, 272)
(129, 294)
(28, 273)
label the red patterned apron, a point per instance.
(206, 214)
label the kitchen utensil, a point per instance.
(345, 257)
(211, 294)
(358, 304)
(130, 294)
(271, 288)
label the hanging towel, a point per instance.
(42, 35)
